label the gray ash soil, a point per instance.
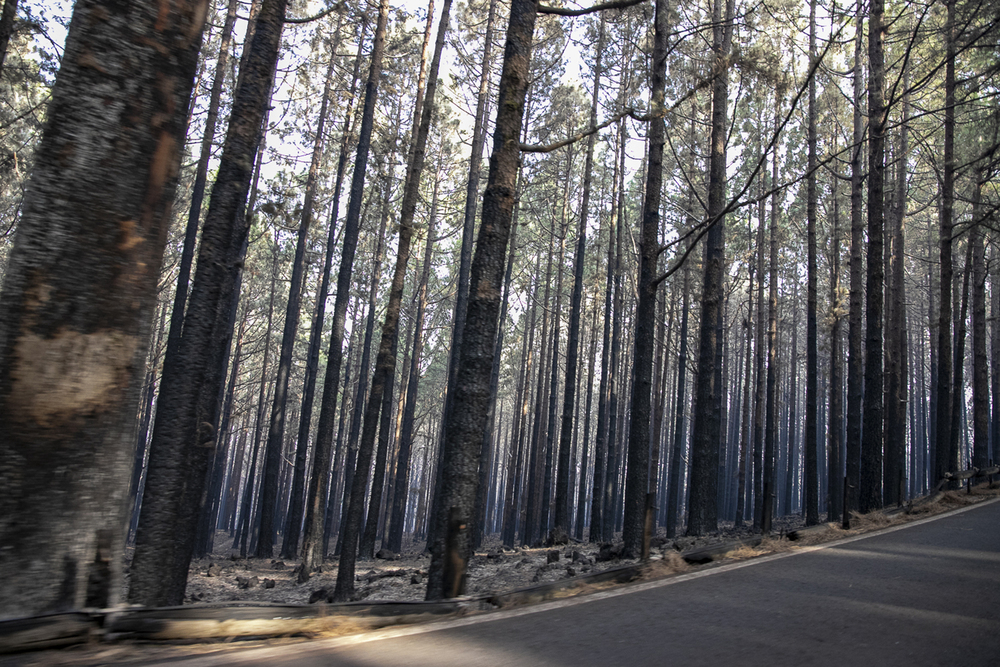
(224, 577)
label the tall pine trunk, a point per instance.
(290, 544)
(562, 513)
(314, 533)
(855, 359)
(470, 401)
(78, 295)
(870, 491)
(706, 429)
(637, 471)
(810, 443)
(352, 222)
(183, 435)
(980, 371)
(946, 460)
(378, 409)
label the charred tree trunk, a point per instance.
(350, 243)
(581, 501)
(183, 435)
(745, 407)
(200, 179)
(980, 371)
(394, 541)
(380, 398)
(470, 401)
(836, 429)
(855, 358)
(810, 443)
(945, 457)
(637, 475)
(766, 503)
(78, 296)
(597, 516)
(290, 544)
(315, 539)
(870, 491)
(468, 233)
(562, 513)
(706, 429)
(894, 460)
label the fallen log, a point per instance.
(819, 529)
(718, 551)
(960, 476)
(196, 622)
(543, 592)
(46, 631)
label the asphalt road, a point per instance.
(925, 594)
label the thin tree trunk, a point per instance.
(958, 427)
(315, 534)
(380, 398)
(995, 359)
(637, 475)
(894, 461)
(942, 437)
(745, 407)
(290, 544)
(534, 469)
(812, 350)
(553, 388)
(394, 541)
(520, 427)
(562, 513)
(836, 430)
(766, 502)
(759, 369)
(855, 358)
(244, 524)
(601, 441)
(870, 492)
(613, 462)
(706, 431)
(792, 441)
(980, 371)
(581, 502)
(350, 242)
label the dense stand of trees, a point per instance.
(810, 187)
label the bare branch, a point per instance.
(548, 148)
(736, 203)
(335, 7)
(565, 11)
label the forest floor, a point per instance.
(226, 577)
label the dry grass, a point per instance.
(671, 563)
(866, 523)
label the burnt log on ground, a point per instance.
(543, 592)
(196, 622)
(717, 551)
(47, 631)
(820, 529)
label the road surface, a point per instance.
(923, 594)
